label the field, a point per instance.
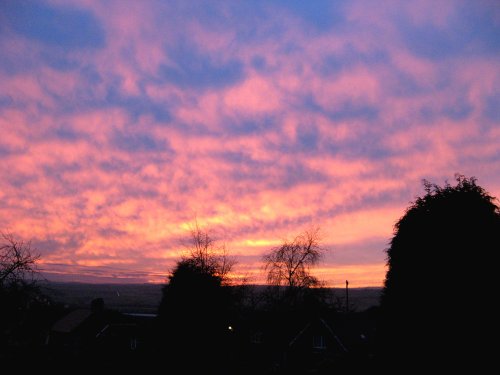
(145, 298)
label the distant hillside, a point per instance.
(145, 298)
(136, 298)
(360, 299)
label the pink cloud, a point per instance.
(283, 146)
(358, 84)
(254, 96)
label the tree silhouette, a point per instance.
(23, 308)
(439, 262)
(289, 265)
(207, 255)
(17, 261)
(195, 310)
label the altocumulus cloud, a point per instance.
(123, 121)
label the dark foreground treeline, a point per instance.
(438, 311)
(243, 330)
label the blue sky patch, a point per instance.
(69, 28)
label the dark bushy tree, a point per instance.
(195, 297)
(440, 276)
(195, 311)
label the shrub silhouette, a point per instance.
(439, 276)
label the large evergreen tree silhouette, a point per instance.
(440, 276)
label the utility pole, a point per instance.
(346, 296)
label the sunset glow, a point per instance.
(123, 122)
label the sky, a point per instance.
(122, 123)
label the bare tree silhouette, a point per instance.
(289, 267)
(208, 255)
(289, 264)
(24, 310)
(17, 260)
